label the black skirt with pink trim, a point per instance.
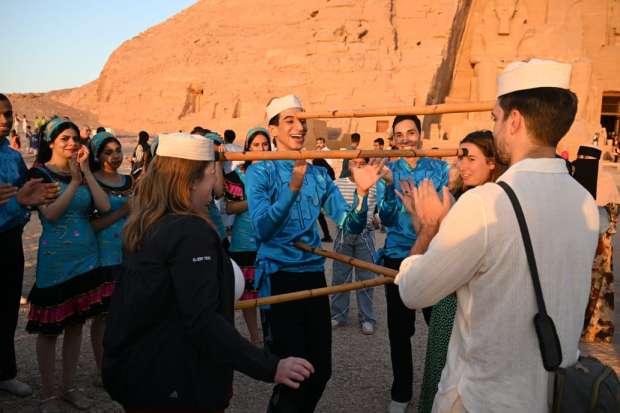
(73, 301)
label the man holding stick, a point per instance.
(400, 236)
(494, 361)
(285, 199)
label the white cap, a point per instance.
(279, 105)
(186, 146)
(532, 74)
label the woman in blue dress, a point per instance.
(69, 287)
(106, 156)
(243, 246)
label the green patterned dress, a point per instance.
(439, 333)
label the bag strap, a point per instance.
(527, 243)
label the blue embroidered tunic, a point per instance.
(243, 238)
(13, 171)
(281, 216)
(110, 239)
(68, 246)
(400, 233)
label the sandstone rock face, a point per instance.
(218, 62)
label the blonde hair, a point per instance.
(164, 189)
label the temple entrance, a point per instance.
(610, 115)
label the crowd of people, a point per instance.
(148, 258)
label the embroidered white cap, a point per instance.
(533, 74)
(278, 105)
(186, 146)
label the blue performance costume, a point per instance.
(110, 239)
(69, 286)
(280, 217)
(13, 217)
(400, 238)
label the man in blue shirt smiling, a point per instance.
(13, 217)
(401, 236)
(285, 199)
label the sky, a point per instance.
(57, 44)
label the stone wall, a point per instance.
(217, 63)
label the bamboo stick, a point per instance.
(388, 272)
(317, 292)
(344, 154)
(410, 110)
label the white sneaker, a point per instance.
(397, 407)
(16, 387)
(336, 323)
(368, 328)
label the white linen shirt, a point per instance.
(493, 362)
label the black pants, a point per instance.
(324, 227)
(401, 327)
(301, 329)
(11, 278)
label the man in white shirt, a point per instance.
(494, 362)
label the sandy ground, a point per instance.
(361, 365)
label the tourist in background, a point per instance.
(141, 155)
(360, 246)
(85, 134)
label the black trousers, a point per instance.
(301, 329)
(401, 327)
(11, 278)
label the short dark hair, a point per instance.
(320, 139)
(275, 121)
(355, 137)
(398, 119)
(229, 136)
(380, 141)
(100, 129)
(198, 130)
(4, 98)
(549, 112)
(143, 137)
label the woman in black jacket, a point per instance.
(170, 342)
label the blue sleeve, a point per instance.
(267, 217)
(346, 216)
(443, 176)
(387, 203)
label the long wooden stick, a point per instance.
(410, 110)
(317, 292)
(344, 154)
(388, 272)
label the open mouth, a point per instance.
(299, 137)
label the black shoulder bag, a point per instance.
(586, 386)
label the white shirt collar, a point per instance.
(542, 165)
